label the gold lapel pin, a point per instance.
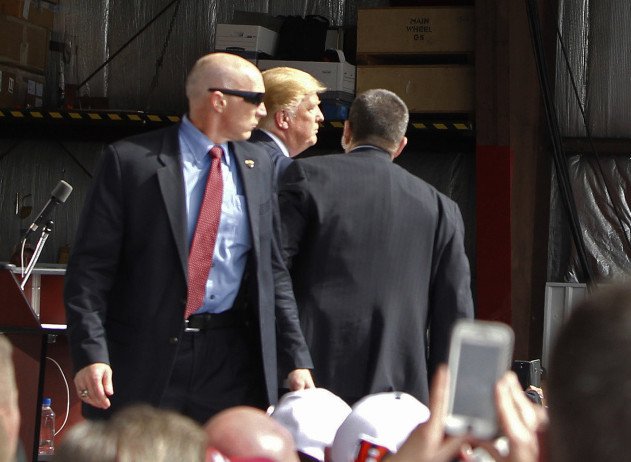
(249, 163)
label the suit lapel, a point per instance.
(172, 188)
(247, 168)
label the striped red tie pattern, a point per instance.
(203, 245)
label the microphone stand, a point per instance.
(46, 230)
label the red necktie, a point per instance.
(203, 245)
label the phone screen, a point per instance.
(475, 382)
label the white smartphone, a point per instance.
(480, 353)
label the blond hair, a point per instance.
(285, 88)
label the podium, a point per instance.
(34, 321)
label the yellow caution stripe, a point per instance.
(91, 116)
(430, 125)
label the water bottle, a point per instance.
(47, 429)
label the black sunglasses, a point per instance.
(251, 97)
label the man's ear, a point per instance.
(217, 102)
(402, 144)
(346, 134)
(281, 119)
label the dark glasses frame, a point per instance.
(251, 97)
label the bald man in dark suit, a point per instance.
(128, 283)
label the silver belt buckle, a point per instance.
(189, 329)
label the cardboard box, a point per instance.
(37, 12)
(20, 88)
(335, 76)
(424, 88)
(440, 30)
(243, 37)
(22, 43)
(10, 39)
(8, 87)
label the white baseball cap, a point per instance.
(385, 419)
(312, 416)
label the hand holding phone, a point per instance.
(480, 353)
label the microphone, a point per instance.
(58, 196)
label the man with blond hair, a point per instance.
(293, 115)
(176, 291)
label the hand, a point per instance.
(427, 442)
(520, 420)
(97, 380)
(299, 379)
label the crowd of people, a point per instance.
(212, 274)
(586, 384)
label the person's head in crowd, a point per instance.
(225, 97)
(147, 433)
(379, 118)
(135, 433)
(87, 441)
(9, 410)
(589, 380)
(244, 431)
(312, 416)
(293, 111)
(382, 420)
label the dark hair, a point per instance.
(378, 117)
(589, 382)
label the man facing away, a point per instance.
(155, 313)
(293, 115)
(376, 256)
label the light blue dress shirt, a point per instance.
(233, 238)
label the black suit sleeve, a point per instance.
(450, 293)
(93, 264)
(292, 348)
(294, 207)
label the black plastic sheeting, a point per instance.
(592, 100)
(605, 219)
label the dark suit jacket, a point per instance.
(280, 160)
(377, 258)
(125, 287)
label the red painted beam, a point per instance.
(493, 233)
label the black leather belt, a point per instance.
(206, 321)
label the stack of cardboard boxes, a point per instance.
(25, 27)
(424, 54)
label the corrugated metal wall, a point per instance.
(597, 44)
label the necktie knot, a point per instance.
(216, 152)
